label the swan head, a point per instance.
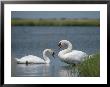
(63, 43)
(49, 52)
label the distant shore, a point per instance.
(55, 22)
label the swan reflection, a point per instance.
(45, 70)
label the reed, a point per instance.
(55, 22)
(90, 67)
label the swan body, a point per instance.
(70, 56)
(34, 59)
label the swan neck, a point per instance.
(63, 52)
(46, 58)
(69, 46)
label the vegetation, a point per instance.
(55, 22)
(90, 67)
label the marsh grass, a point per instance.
(55, 22)
(90, 67)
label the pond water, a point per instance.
(32, 40)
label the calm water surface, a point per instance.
(33, 40)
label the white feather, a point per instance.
(35, 59)
(71, 56)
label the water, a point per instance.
(33, 40)
(55, 14)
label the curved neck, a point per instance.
(46, 58)
(69, 49)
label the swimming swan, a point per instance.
(34, 59)
(68, 55)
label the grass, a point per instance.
(90, 67)
(55, 22)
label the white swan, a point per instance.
(68, 55)
(34, 59)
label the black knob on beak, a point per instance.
(53, 54)
(59, 45)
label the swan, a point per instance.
(34, 59)
(70, 56)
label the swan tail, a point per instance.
(91, 56)
(16, 59)
(88, 57)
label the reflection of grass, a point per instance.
(55, 22)
(90, 67)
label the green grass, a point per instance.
(55, 22)
(90, 67)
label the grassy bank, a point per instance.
(90, 67)
(55, 22)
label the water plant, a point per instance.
(90, 67)
(55, 22)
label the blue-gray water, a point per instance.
(55, 14)
(33, 40)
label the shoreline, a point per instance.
(55, 22)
